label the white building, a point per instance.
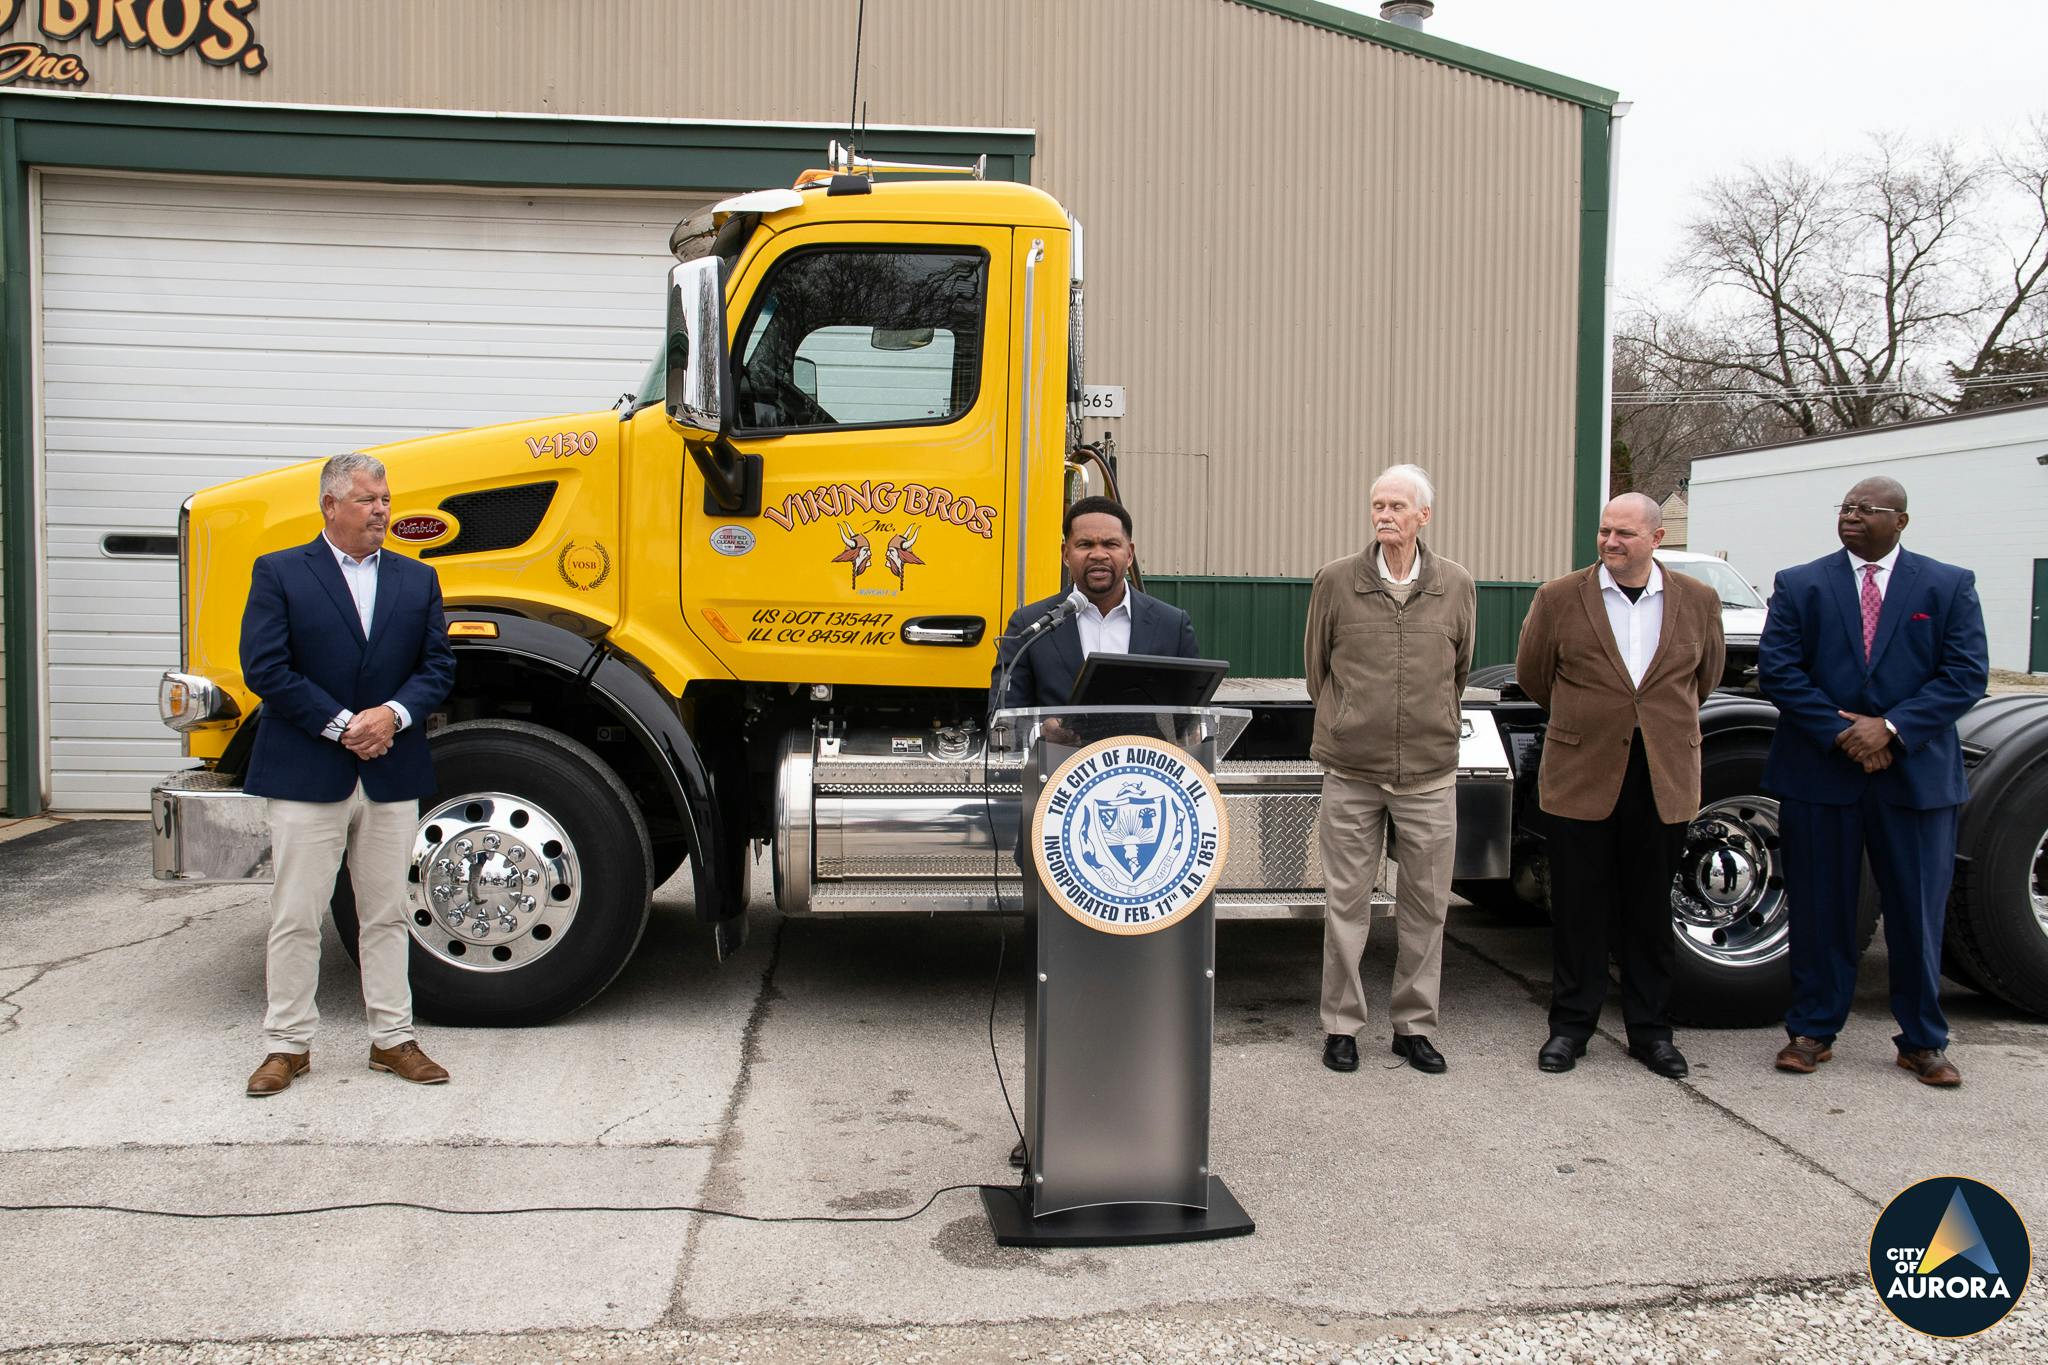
(1977, 485)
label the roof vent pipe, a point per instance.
(1407, 13)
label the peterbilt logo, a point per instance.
(419, 529)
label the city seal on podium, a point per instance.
(1129, 835)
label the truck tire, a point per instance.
(529, 878)
(1728, 906)
(1998, 909)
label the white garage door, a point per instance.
(196, 330)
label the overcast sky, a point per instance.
(1716, 84)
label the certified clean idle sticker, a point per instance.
(732, 540)
(1129, 835)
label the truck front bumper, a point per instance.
(208, 830)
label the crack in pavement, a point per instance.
(721, 1183)
(1692, 1091)
(1292, 1318)
(11, 1020)
(459, 1142)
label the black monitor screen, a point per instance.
(1147, 680)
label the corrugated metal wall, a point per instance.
(1257, 623)
(1309, 256)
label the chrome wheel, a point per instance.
(2037, 882)
(1728, 899)
(495, 882)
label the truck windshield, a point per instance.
(1734, 591)
(695, 237)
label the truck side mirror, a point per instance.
(699, 380)
(699, 397)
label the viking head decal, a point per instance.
(899, 553)
(857, 552)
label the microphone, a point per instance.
(1059, 615)
(1052, 620)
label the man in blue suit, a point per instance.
(1103, 614)
(347, 648)
(1109, 616)
(1871, 657)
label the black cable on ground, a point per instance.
(502, 1213)
(995, 887)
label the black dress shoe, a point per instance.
(1017, 1156)
(1661, 1057)
(1419, 1053)
(1340, 1052)
(1560, 1053)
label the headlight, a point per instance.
(187, 701)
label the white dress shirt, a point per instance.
(361, 577)
(1884, 573)
(1637, 625)
(1379, 557)
(1100, 634)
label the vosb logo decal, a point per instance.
(420, 528)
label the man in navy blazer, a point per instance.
(347, 648)
(1106, 615)
(1871, 657)
(1109, 615)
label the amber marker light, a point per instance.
(718, 624)
(473, 630)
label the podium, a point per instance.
(1123, 841)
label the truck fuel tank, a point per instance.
(888, 821)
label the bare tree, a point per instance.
(1667, 411)
(1839, 297)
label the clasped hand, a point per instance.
(1868, 741)
(369, 733)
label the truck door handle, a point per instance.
(959, 631)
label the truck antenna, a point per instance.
(853, 113)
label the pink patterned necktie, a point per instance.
(1872, 604)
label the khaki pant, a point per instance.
(1352, 833)
(307, 841)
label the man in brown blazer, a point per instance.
(1621, 655)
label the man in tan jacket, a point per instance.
(1621, 655)
(1388, 645)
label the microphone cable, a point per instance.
(1047, 623)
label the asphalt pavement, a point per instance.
(841, 1068)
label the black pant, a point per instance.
(1610, 881)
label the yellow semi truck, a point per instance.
(757, 602)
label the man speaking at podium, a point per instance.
(1102, 615)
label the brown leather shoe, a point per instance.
(409, 1063)
(277, 1072)
(1803, 1054)
(1931, 1065)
